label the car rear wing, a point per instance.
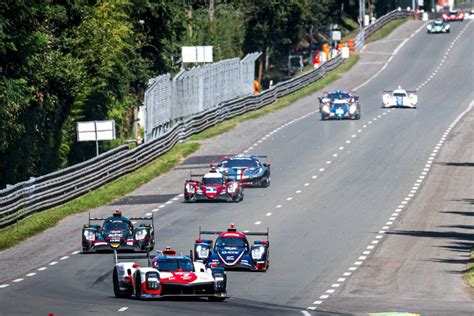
(214, 232)
(130, 218)
(130, 256)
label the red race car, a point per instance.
(213, 186)
(453, 16)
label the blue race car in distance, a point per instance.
(232, 250)
(248, 169)
(118, 233)
(339, 105)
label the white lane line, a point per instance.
(161, 206)
(53, 263)
(352, 268)
(246, 231)
(348, 141)
(362, 257)
(374, 241)
(75, 252)
(323, 297)
(169, 202)
(298, 192)
(370, 247)
(385, 227)
(175, 198)
(31, 274)
(358, 263)
(328, 162)
(313, 308)
(314, 177)
(306, 184)
(123, 309)
(359, 130)
(289, 198)
(181, 195)
(335, 285)
(366, 252)
(278, 206)
(354, 136)
(64, 258)
(257, 222)
(341, 148)
(321, 170)
(42, 268)
(268, 214)
(155, 210)
(330, 291)
(334, 155)
(148, 214)
(341, 279)
(18, 280)
(346, 273)
(389, 223)
(2, 286)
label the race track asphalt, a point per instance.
(334, 184)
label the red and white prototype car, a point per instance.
(213, 186)
(451, 16)
(169, 275)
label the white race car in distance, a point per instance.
(399, 98)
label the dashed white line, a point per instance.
(289, 198)
(268, 214)
(18, 280)
(42, 268)
(321, 170)
(2, 286)
(298, 191)
(278, 206)
(64, 258)
(31, 274)
(75, 252)
(53, 263)
(123, 309)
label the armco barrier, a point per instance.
(57, 188)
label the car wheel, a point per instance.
(138, 285)
(119, 293)
(267, 182)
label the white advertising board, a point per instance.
(197, 54)
(95, 130)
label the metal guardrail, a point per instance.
(57, 188)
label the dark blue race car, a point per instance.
(339, 105)
(118, 233)
(232, 250)
(248, 169)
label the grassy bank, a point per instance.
(385, 30)
(470, 270)
(39, 222)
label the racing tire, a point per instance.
(117, 292)
(138, 286)
(448, 31)
(266, 183)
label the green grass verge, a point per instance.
(39, 222)
(385, 30)
(470, 270)
(283, 102)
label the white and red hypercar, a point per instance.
(213, 186)
(169, 275)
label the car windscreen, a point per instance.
(339, 95)
(219, 180)
(230, 242)
(239, 163)
(174, 264)
(115, 225)
(399, 94)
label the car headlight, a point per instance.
(325, 108)
(258, 252)
(89, 235)
(190, 188)
(352, 108)
(140, 234)
(202, 252)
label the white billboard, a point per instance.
(95, 131)
(197, 54)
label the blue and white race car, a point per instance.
(339, 105)
(232, 250)
(247, 169)
(399, 98)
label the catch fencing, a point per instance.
(194, 91)
(57, 188)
